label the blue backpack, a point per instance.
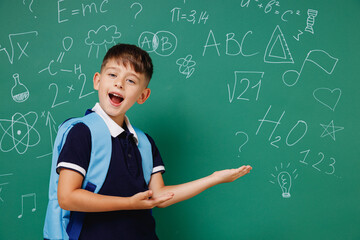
(57, 222)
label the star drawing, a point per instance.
(330, 130)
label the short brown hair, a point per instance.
(130, 54)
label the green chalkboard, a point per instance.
(270, 83)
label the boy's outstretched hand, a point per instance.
(167, 195)
(144, 200)
(230, 175)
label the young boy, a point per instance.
(121, 209)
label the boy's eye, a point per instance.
(112, 75)
(130, 81)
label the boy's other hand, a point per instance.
(230, 175)
(144, 200)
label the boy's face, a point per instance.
(119, 87)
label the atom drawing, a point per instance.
(18, 133)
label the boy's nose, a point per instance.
(119, 84)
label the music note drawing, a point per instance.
(319, 57)
(30, 195)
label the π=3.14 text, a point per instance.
(193, 17)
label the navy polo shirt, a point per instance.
(125, 178)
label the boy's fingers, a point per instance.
(248, 167)
(165, 197)
(145, 195)
(149, 193)
(244, 170)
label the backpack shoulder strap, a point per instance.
(101, 150)
(57, 220)
(100, 153)
(146, 154)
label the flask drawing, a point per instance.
(284, 180)
(19, 91)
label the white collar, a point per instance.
(114, 128)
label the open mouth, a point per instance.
(115, 98)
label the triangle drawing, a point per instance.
(277, 50)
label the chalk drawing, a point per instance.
(231, 41)
(50, 122)
(233, 47)
(30, 5)
(330, 129)
(71, 88)
(214, 44)
(270, 7)
(139, 11)
(55, 103)
(245, 77)
(19, 91)
(321, 161)
(4, 183)
(53, 129)
(163, 43)
(297, 38)
(269, 121)
(327, 97)
(284, 179)
(103, 37)
(12, 38)
(84, 10)
(305, 128)
(49, 68)
(245, 4)
(319, 57)
(67, 43)
(82, 94)
(242, 142)
(310, 20)
(177, 15)
(186, 65)
(294, 140)
(286, 13)
(19, 134)
(81, 76)
(277, 50)
(30, 195)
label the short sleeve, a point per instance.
(75, 154)
(158, 165)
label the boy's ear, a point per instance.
(144, 96)
(96, 81)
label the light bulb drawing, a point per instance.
(284, 179)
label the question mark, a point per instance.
(247, 139)
(30, 6)
(139, 10)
